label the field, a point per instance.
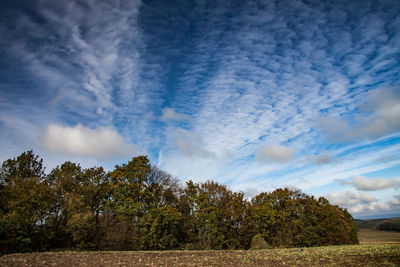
(370, 236)
(361, 255)
(378, 248)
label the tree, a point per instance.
(138, 206)
(130, 199)
(24, 166)
(64, 180)
(163, 188)
(25, 203)
(85, 207)
(336, 225)
(162, 229)
(94, 191)
(217, 216)
(129, 188)
(81, 195)
(305, 220)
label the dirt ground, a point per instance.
(358, 255)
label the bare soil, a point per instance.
(358, 255)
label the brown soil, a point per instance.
(361, 255)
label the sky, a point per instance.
(255, 95)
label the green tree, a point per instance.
(81, 195)
(130, 198)
(85, 206)
(162, 229)
(217, 216)
(336, 225)
(305, 221)
(24, 166)
(130, 193)
(64, 180)
(139, 206)
(94, 191)
(25, 203)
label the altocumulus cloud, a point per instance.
(169, 114)
(372, 184)
(103, 142)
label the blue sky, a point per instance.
(252, 94)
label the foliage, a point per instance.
(162, 229)
(137, 206)
(25, 200)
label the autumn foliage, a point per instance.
(140, 207)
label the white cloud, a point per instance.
(275, 153)
(359, 203)
(372, 184)
(349, 198)
(169, 114)
(380, 116)
(103, 142)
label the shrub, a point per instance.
(258, 242)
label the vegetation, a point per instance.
(365, 255)
(140, 207)
(389, 224)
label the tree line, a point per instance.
(138, 206)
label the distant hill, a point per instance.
(392, 224)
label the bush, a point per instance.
(258, 242)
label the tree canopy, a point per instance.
(138, 206)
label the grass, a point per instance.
(358, 255)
